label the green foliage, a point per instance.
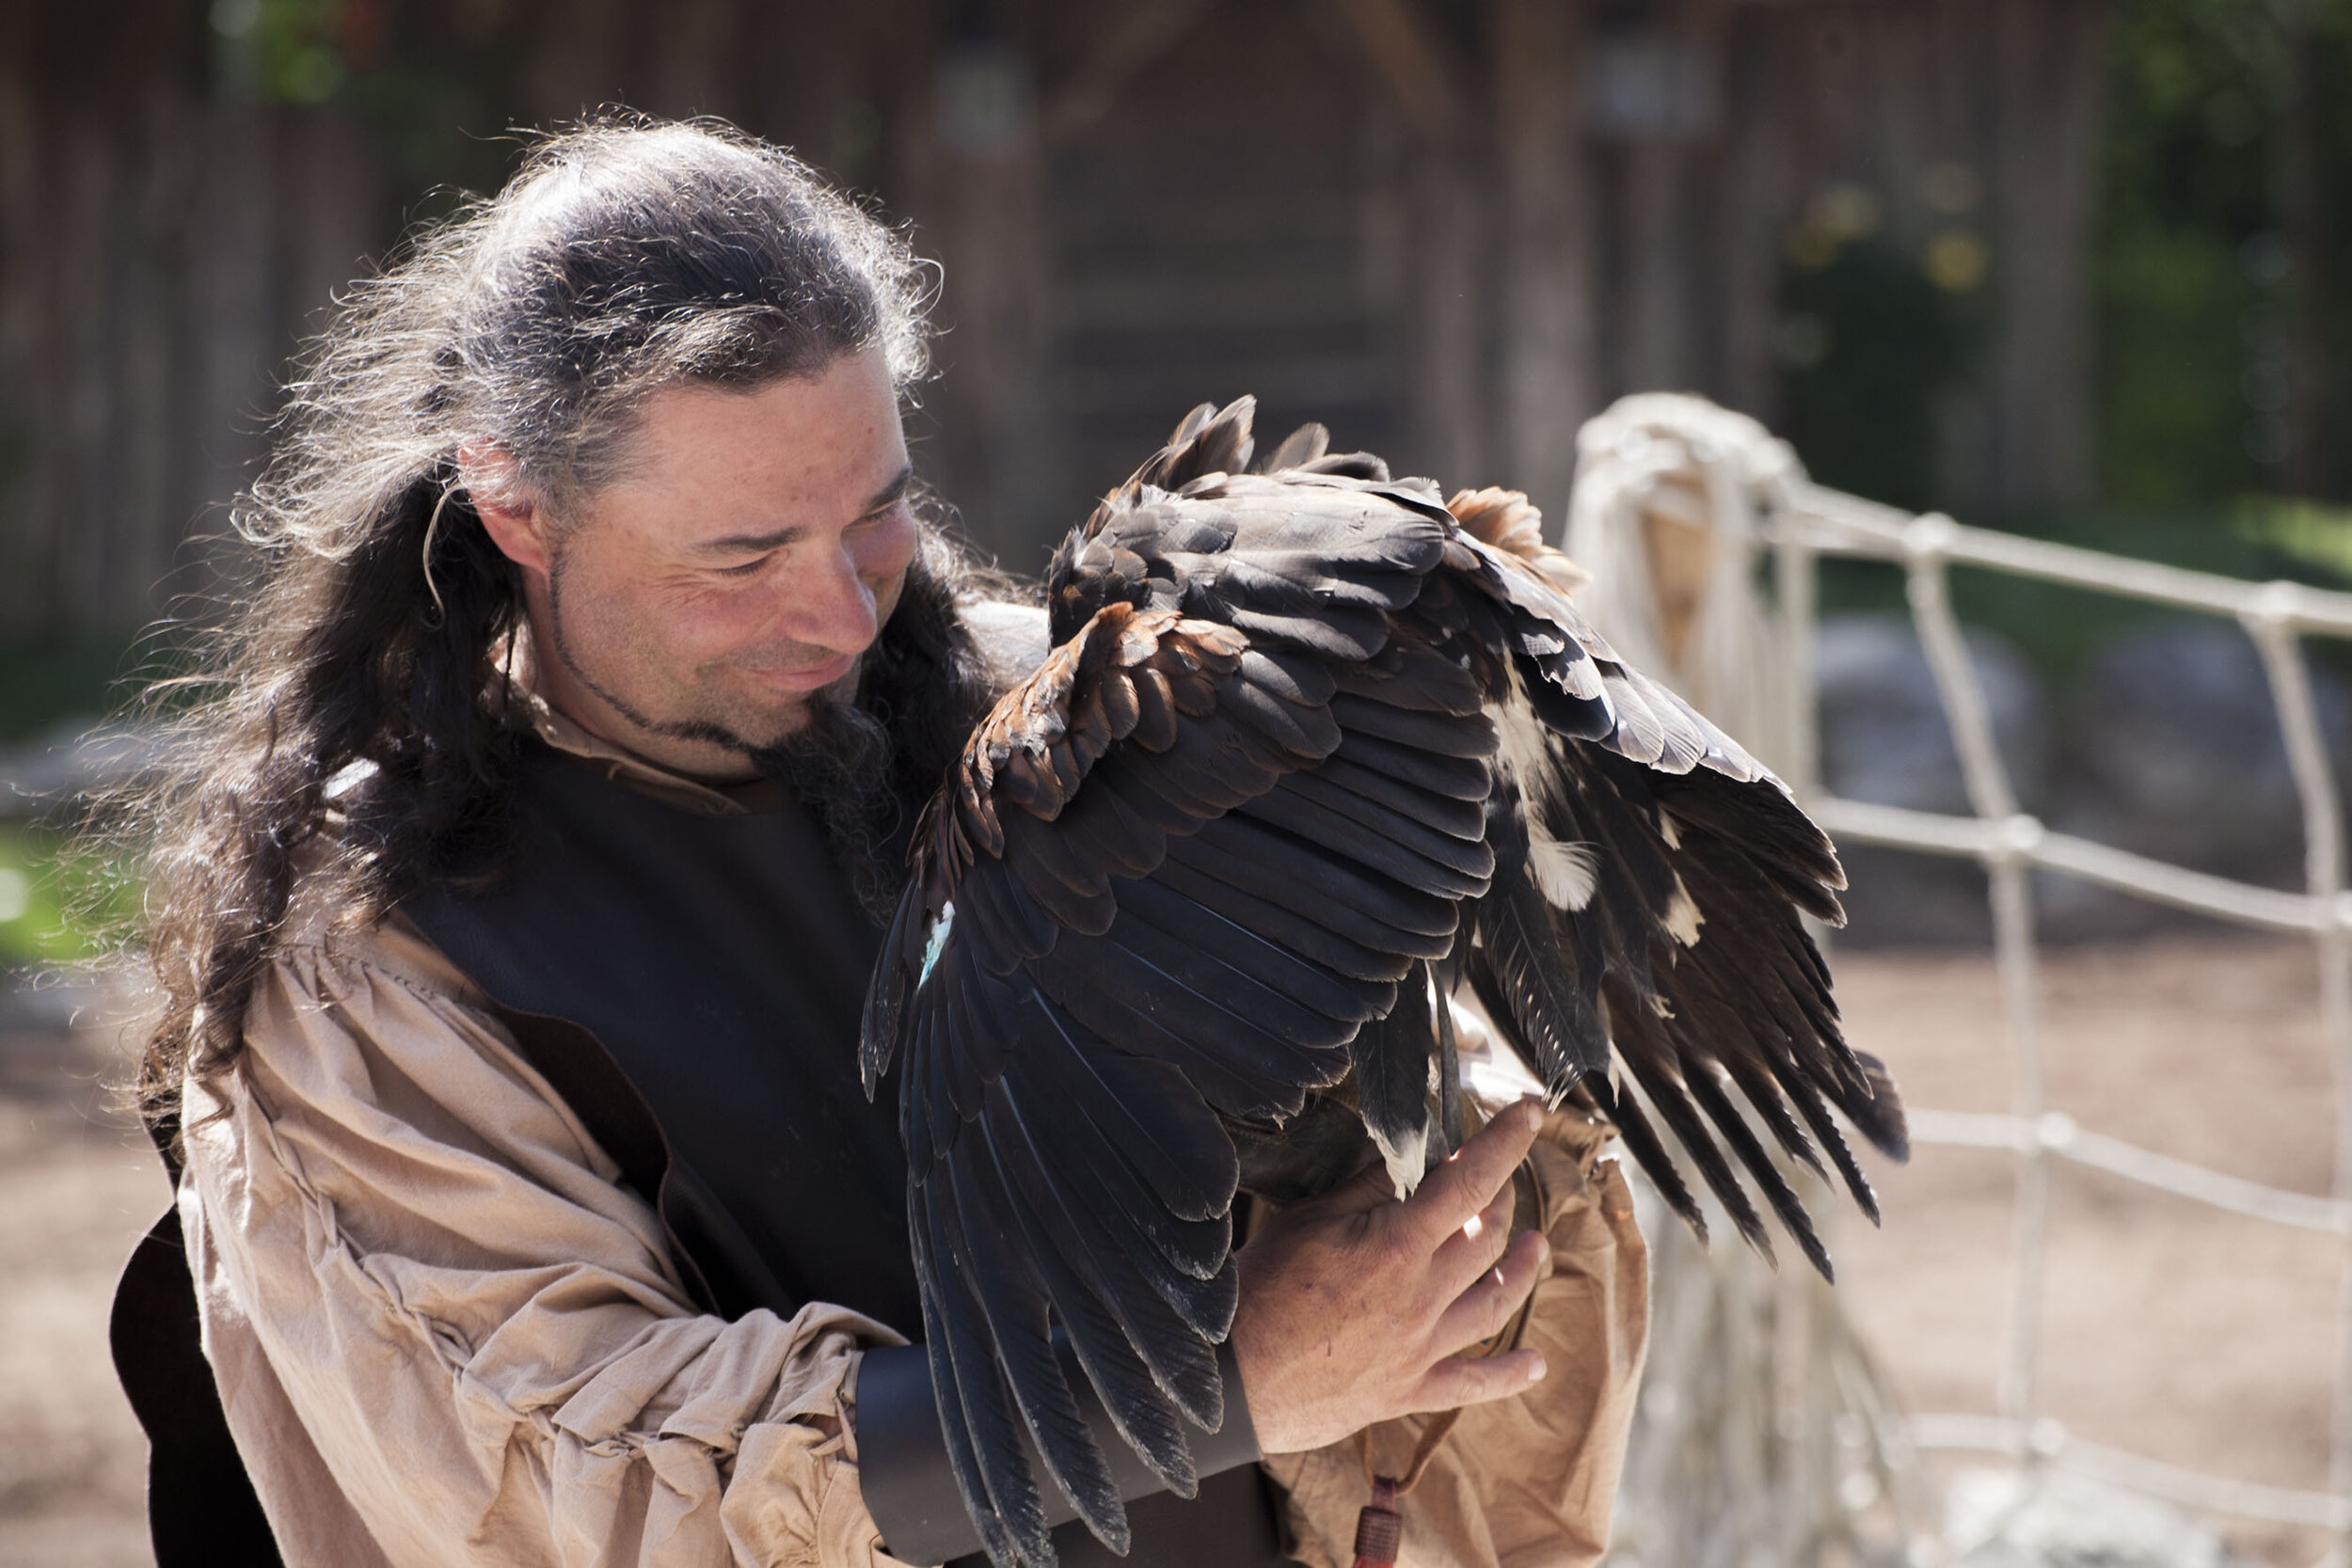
(286, 51)
(2191, 283)
(62, 898)
(2193, 291)
(2193, 296)
(61, 901)
(414, 74)
(1872, 345)
(2171, 417)
(2307, 533)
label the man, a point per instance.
(516, 894)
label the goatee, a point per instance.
(840, 764)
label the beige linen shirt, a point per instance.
(446, 1335)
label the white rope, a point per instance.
(1670, 493)
(2008, 842)
(1834, 523)
(2057, 1134)
(2049, 1442)
(2025, 838)
(1763, 1418)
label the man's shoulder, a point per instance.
(330, 925)
(1013, 637)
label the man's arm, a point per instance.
(445, 1334)
(438, 1318)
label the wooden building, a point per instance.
(1449, 229)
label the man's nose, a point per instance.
(832, 605)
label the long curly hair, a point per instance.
(349, 728)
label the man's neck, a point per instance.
(702, 761)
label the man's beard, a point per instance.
(840, 764)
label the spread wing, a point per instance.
(1302, 735)
(1649, 898)
(1136, 909)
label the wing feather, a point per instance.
(988, 1241)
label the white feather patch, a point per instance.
(1406, 1162)
(1567, 873)
(1667, 830)
(1683, 920)
(1525, 753)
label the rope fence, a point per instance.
(1802, 522)
(1681, 510)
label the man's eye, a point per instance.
(747, 569)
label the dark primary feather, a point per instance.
(1310, 749)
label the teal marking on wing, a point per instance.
(937, 939)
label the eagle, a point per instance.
(1314, 749)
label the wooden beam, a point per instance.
(1143, 34)
(1419, 64)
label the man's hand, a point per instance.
(1354, 1308)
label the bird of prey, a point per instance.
(1313, 749)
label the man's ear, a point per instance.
(517, 524)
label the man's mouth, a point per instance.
(801, 678)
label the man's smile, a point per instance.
(801, 678)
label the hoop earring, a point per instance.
(432, 529)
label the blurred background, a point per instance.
(2074, 269)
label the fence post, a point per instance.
(2270, 625)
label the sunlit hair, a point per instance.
(350, 728)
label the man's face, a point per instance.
(747, 558)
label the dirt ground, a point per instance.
(2170, 1329)
(2191, 1337)
(78, 1185)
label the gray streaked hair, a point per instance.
(625, 256)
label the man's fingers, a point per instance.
(1467, 1181)
(1475, 1248)
(1458, 1381)
(1488, 1305)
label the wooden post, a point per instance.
(1446, 237)
(1449, 403)
(971, 163)
(228, 289)
(1545, 335)
(1754, 195)
(2050, 70)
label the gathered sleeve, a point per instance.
(446, 1332)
